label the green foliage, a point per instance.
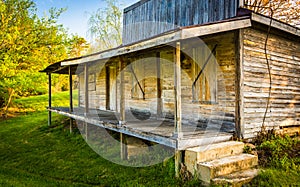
(279, 158)
(280, 152)
(29, 44)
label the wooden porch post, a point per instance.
(122, 107)
(123, 146)
(177, 120)
(86, 98)
(49, 99)
(122, 92)
(71, 97)
(177, 91)
(239, 105)
(159, 92)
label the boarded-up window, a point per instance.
(138, 82)
(205, 75)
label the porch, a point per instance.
(160, 131)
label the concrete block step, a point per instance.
(211, 152)
(236, 179)
(224, 166)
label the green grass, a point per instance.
(39, 103)
(280, 162)
(33, 154)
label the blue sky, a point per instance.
(78, 12)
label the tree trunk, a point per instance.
(11, 93)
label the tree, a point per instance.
(78, 46)
(105, 26)
(287, 11)
(28, 44)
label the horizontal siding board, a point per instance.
(284, 62)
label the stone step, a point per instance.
(236, 179)
(224, 166)
(211, 152)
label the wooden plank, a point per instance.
(122, 91)
(49, 99)
(123, 147)
(215, 28)
(276, 24)
(159, 86)
(86, 88)
(239, 110)
(107, 87)
(71, 89)
(71, 97)
(177, 87)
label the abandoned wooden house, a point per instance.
(201, 72)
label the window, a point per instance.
(204, 70)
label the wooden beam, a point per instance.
(86, 88)
(123, 146)
(86, 131)
(71, 97)
(122, 91)
(215, 28)
(177, 91)
(107, 87)
(49, 99)
(159, 86)
(178, 129)
(276, 24)
(71, 89)
(239, 104)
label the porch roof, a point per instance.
(245, 19)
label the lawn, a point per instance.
(33, 154)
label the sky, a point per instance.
(75, 19)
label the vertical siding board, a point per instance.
(177, 6)
(165, 15)
(221, 9)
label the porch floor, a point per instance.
(155, 130)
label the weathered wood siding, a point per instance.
(284, 55)
(97, 95)
(148, 18)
